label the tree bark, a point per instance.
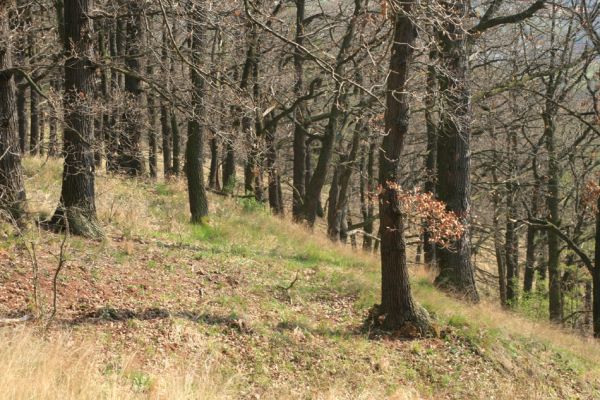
(511, 242)
(194, 167)
(165, 112)
(77, 201)
(12, 187)
(398, 308)
(176, 143)
(552, 202)
(338, 197)
(454, 155)
(429, 246)
(596, 275)
(274, 181)
(22, 118)
(299, 147)
(34, 122)
(213, 175)
(131, 159)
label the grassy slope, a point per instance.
(162, 309)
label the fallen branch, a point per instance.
(10, 321)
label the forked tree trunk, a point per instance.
(12, 188)
(77, 200)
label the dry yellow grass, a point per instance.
(61, 368)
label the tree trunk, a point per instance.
(12, 187)
(498, 246)
(454, 155)
(43, 120)
(22, 118)
(34, 125)
(312, 199)
(194, 153)
(153, 116)
(552, 202)
(429, 246)
(299, 147)
(176, 144)
(213, 176)
(511, 242)
(229, 166)
(338, 199)
(275, 200)
(397, 306)
(165, 112)
(131, 159)
(77, 210)
(596, 276)
(530, 256)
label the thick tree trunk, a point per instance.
(77, 200)
(398, 310)
(12, 188)
(454, 154)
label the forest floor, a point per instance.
(247, 306)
